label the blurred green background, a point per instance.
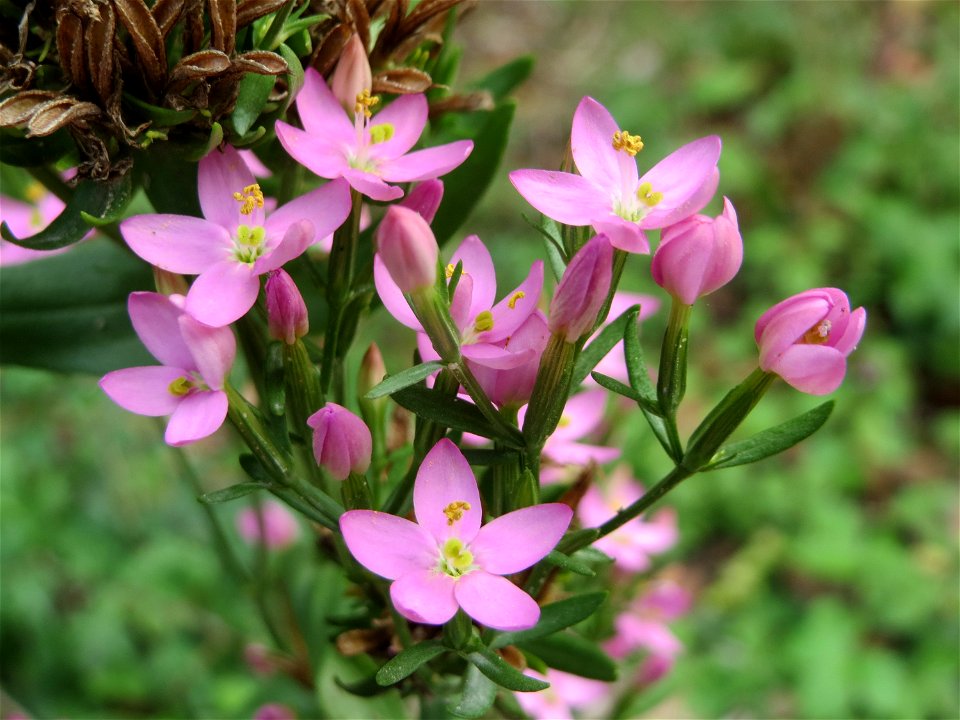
(826, 580)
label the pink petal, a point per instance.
(223, 293)
(511, 312)
(574, 453)
(847, 342)
(391, 296)
(370, 185)
(496, 602)
(623, 300)
(297, 238)
(801, 299)
(813, 369)
(388, 545)
(222, 173)
(789, 325)
(478, 266)
(177, 243)
(582, 414)
(144, 390)
(515, 541)
(680, 176)
(591, 142)
(326, 208)
(156, 321)
(695, 203)
(213, 349)
(624, 235)
(496, 357)
(445, 477)
(199, 415)
(319, 154)
(320, 112)
(567, 198)
(462, 304)
(408, 115)
(426, 164)
(425, 596)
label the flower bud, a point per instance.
(408, 249)
(352, 75)
(286, 311)
(806, 339)
(425, 198)
(372, 370)
(698, 255)
(582, 290)
(341, 441)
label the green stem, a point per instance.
(479, 396)
(550, 393)
(672, 378)
(273, 32)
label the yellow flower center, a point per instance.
(455, 559)
(630, 144)
(455, 510)
(381, 133)
(483, 322)
(181, 386)
(365, 101)
(512, 302)
(249, 198)
(249, 245)
(647, 196)
(818, 334)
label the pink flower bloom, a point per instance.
(446, 560)
(286, 311)
(566, 693)
(274, 711)
(608, 194)
(613, 363)
(235, 242)
(698, 255)
(188, 385)
(484, 326)
(582, 290)
(513, 386)
(341, 441)
(806, 339)
(26, 220)
(631, 545)
(407, 250)
(369, 151)
(280, 528)
(352, 75)
(251, 160)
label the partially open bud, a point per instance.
(168, 283)
(425, 198)
(408, 249)
(341, 441)
(352, 75)
(582, 290)
(286, 311)
(698, 255)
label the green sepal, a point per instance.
(553, 617)
(453, 413)
(602, 345)
(772, 440)
(565, 562)
(252, 94)
(408, 661)
(403, 379)
(160, 116)
(556, 257)
(97, 199)
(232, 492)
(501, 672)
(573, 654)
(479, 694)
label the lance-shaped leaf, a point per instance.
(553, 617)
(573, 654)
(773, 440)
(231, 493)
(252, 94)
(565, 562)
(406, 662)
(643, 386)
(501, 672)
(479, 693)
(615, 386)
(295, 76)
(405, 378)
(98, 199)
(602, 344)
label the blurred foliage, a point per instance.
(826, 579)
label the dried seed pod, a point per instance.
(329, 50)
(99, 36)
(193, 30)
(402, 81)
(358, 17)
(166, 13)
(462, 103)
(19, 108)
(250, 10)
(223, 24)
(147, 39)
(423, 13)
(199, 65)
(261, 62)
(70, 47)
(55, 114)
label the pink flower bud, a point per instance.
(698, 255)
(274, 711)
(425, 198)
(352, 75)
(276, 527)
(341, 441)
(372, 370)
(286, 311)
(806, 339)
(582, 290)
(408, 249)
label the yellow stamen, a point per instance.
(34, 192)
(483, 322)
(455, 510)
(381, 133)
(564, 421)
(456, 558)
(180, 387)
(449, 271)
(365, 101)
(512, 302)
(818, 334)
(647, 196)
(249, 198)
(630, 144)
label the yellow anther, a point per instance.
(630, 144)
(512, 302)
(249, 198)
(381, 133)
(365, 101)
(449, 271)
(647, 196)
(564, 421)
(456, 558)
(455, 510)
(483, 322)
(818, 334)
(34, 192)
(180, 387)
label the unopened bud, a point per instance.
(352, 75)
(425, 199)
(286, 311)
(582, 290)
(341, 441)
(372, 370)
(408, 249)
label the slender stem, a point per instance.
(273, 32)
(550, 393)
(672, 378)
(668, 483)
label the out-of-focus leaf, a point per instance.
(479, 693)
(565, 562)
(407, 661)
(231, 493)
(32, 152)
(252, 95)
(553, 617)
(169, 181)
(403, 379)
(335, 671)
(573, 654)
(602, 344)
(502, 673)
(69, 312)
(506, 78)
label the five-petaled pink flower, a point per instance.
(446, 560)
(236, 241)
(189, 384)
(371, 150)
(806, 338)
(609, 194)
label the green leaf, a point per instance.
(32, 152)
(502, 673)
(406, 662)
(615, 386)
(592, 556)
(573, 654)
(161, 116)
(636, 364)
(98, 199)
(69, 312)
(452, 413)
(478, 696)
(231, 493)
(295, 75)
(334, 672)
(553, 617)
(364, 687)
(593, 353)
(464, 187)
(773, 440)
(506, 78)
(252, 94)
(568, 563)
(169, 180)
(406, 378)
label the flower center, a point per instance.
(249, 243)
(455, 510)
(512, 302)
(647, 196)
(183, 386)
(249, 198)
(483, 322)
(455, 559)
(818, 334)
(381, 133)
(630, 144)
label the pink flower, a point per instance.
(582, 290)
(613, 363)
(407, 249)
(446, 560)
(188, 385)
(25, 220)
(566, 693)
(631, 545)
(608, 193)
(341, 441)
(698, 255)
(806, 339)
(280, 528)
(235, 242)
(274, 711)
(369, 151)
(251, 160)
(286, 311)
(512, 386)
